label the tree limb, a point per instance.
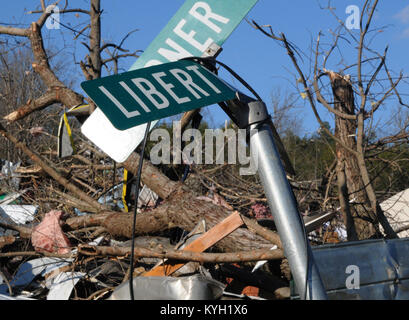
(202, 257)
(46, 14)
(14, 31)
(49, 98)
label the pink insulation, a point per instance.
(48, 235)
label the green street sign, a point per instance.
(188, 32)
(139, 96)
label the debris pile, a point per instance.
(100, 268)
(192, 243)
(69, 252)
(205, 238)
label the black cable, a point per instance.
(138, 182)
(211, 60)
(185, 173)
(306, 286)
(305, 235)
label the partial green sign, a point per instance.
(139, 96)
(195, 26)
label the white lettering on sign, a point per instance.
(188, 82)
(172, 55)
(150, 92)
(168, 87)
(195, 69)
(189, 37)
(118, 104)
(207, 16)
(133, 95)
(158, 98)
(202, 12)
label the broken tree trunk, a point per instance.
(353, 198)
(184, 210)
(168, 216)
(361, 221)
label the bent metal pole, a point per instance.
(283, 206)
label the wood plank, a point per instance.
(202, 243)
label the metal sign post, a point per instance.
(251, 114)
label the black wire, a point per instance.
(306, 286)
(305, 235)
(138, 181)
(234, 74)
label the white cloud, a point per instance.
(403, 15)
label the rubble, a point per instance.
(70, 237)
(74, 270)
(70, 252)
(67, 248)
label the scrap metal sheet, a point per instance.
(383, 269)
(196, 287)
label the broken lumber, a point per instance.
(202, 243)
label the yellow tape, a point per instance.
(79, 107)
(124, 189)
(67, 125)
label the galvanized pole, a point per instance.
(286, 215)
(251, 114)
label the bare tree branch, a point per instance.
(49, 98)
(202, 257)
(14, 31)
(46, 14)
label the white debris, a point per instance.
(20, 214)
(260, 263)
(396, 210)
(63, 285)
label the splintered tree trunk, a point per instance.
(358, 215)
(184, 210)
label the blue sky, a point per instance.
(258, 59)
